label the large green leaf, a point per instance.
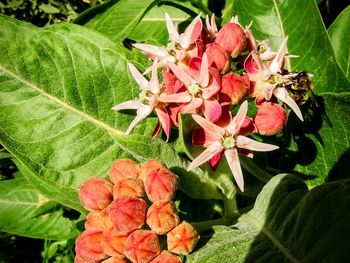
(57, 87)
(339, 33)
(288, 223)
(301, 21)
(320, 147)
(22, 210)
(121, 18)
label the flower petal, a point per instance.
(192, 33)
(235, 166)
(277, 62)
(204, 72)
(209, 127)
(181, 75)
(212, 150)
(142, 113)
(140, 79)
(238, 120)
(182, 97)
(154, 82)
(211, 26)
(128, 105)
(249, 144)
(152, 51)
(172, 30)
(192, 106)
(164, 120)
(211, 109)
(214, 86)
(283, 95)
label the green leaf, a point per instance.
(57, 87)
(320, 146)
(288, 223)
(152, 28)
(308, 38)
(120, 19)
(339, 33)
(19, 206)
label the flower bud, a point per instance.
(88, 246)
(160, 184)
(113, 242)
(96, 194)
(149, 166)
(128, 213)
(182, 239)
(270, 118)
(128, 187)
(233, 89)
(166, 257)
(217, 57)
(79, 259)
(123, 168)
(232, 38)
(162, 217)
(142, 246)
(114, 260)
(98, 220)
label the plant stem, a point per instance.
(204, 226)
(255, 169)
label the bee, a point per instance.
(301, 88)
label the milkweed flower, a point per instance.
(269, 80)
(148, 100)
(228, 140)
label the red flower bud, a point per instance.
(182, 239)
(88, 246)
(162, 217)
(123, 168)
(98, 220)
(113, 242)
(128, 187)
(217, 57)
(142, 246)
(128, 213)
(96, 194)
(270, 118)
(166, 257)
(160, 183)
(233, 89)
(232, 38)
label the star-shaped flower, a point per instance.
(228, 140)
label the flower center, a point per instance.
(229, 142)
(144, 96)
(276, 79)
(194, 89)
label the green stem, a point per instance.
(255, 169)
(199, 4)
(204, 226)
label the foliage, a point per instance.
(58, 84)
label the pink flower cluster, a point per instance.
(200, 77)
(123, 224)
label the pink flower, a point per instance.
(229, 141)
(211, 27)
(202, 84)
(269, 80)
(147, 101)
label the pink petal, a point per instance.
(249, 144)
(211, 26)
(152, 51)
(212, 150)
(182, 75)
(182, 97)
(154, 82)
(164, 120)
(235, 166)
(215, 161)
(283, 95)
(141, 80)
(204, 72)
(209, 127)
(128, 105)
(211, 109)
(142, 113)
(173, 33)
(192, 106)
(277, 62)
(194, 68)
(202, 138)
(192, 33)
(214, 86)
(238, 120)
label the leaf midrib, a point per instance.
(70, 108)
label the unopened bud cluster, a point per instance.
(129, 212)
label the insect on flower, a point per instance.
(228, 140)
